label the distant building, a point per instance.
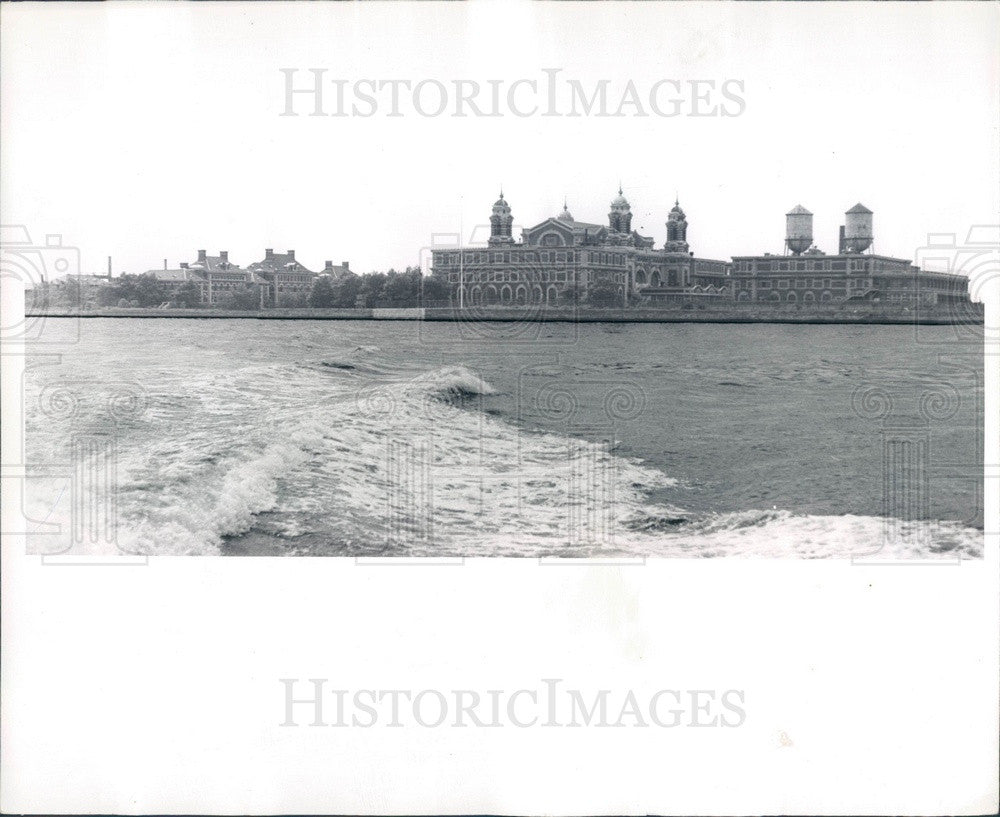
(808, 275)
(174, 280)
(82, 289)
(338, 272)
(289, 281)
(562, 260)
(278, 278)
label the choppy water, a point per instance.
(407, 439)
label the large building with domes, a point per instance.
(563, 261)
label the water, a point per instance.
(370, 438)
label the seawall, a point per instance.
(960, 315)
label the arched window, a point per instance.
(743, 296)
(640, 277)
(774, 296)
(654, 279)
(826, 296)
(552, 240)
(537, 295)
(792, 297)
(521, 294)
(490, 294)
(477, 294)
(808, 298)
(505, 294)
(551, 295)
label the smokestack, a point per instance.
(842, 245)
(201, 255)
(268, 254)
(224, 255)
(109, 267)
(164, 264)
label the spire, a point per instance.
(619, 187)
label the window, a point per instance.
(783, 284)
(800, 284)
(765, 284)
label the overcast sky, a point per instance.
(148, 131)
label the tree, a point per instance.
(323, 294)
(188, 295)
(347, 292)
(434, 289)
(245, 298)
(372, 285)
(145, 290)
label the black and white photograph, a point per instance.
(654, 300)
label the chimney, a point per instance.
(328, 266)
(841, 247)
(345, 265)
(291, 254)
(109, 267)
(268, 255)
(184, 265)
(164, 266)
(224, 255)
(201, 255)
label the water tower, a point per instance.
(798, 229)
(858, 235)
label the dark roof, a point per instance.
(279, 262)
(174, 274)
(859, 208)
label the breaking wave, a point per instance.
(352, 455)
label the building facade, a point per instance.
(276, 280)
(564, 261)
(807, 275)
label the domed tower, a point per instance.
(677, 227)
(501, 222)
(565, 215)
(620, 217)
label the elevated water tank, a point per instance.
(858, 234)
(798, 229)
